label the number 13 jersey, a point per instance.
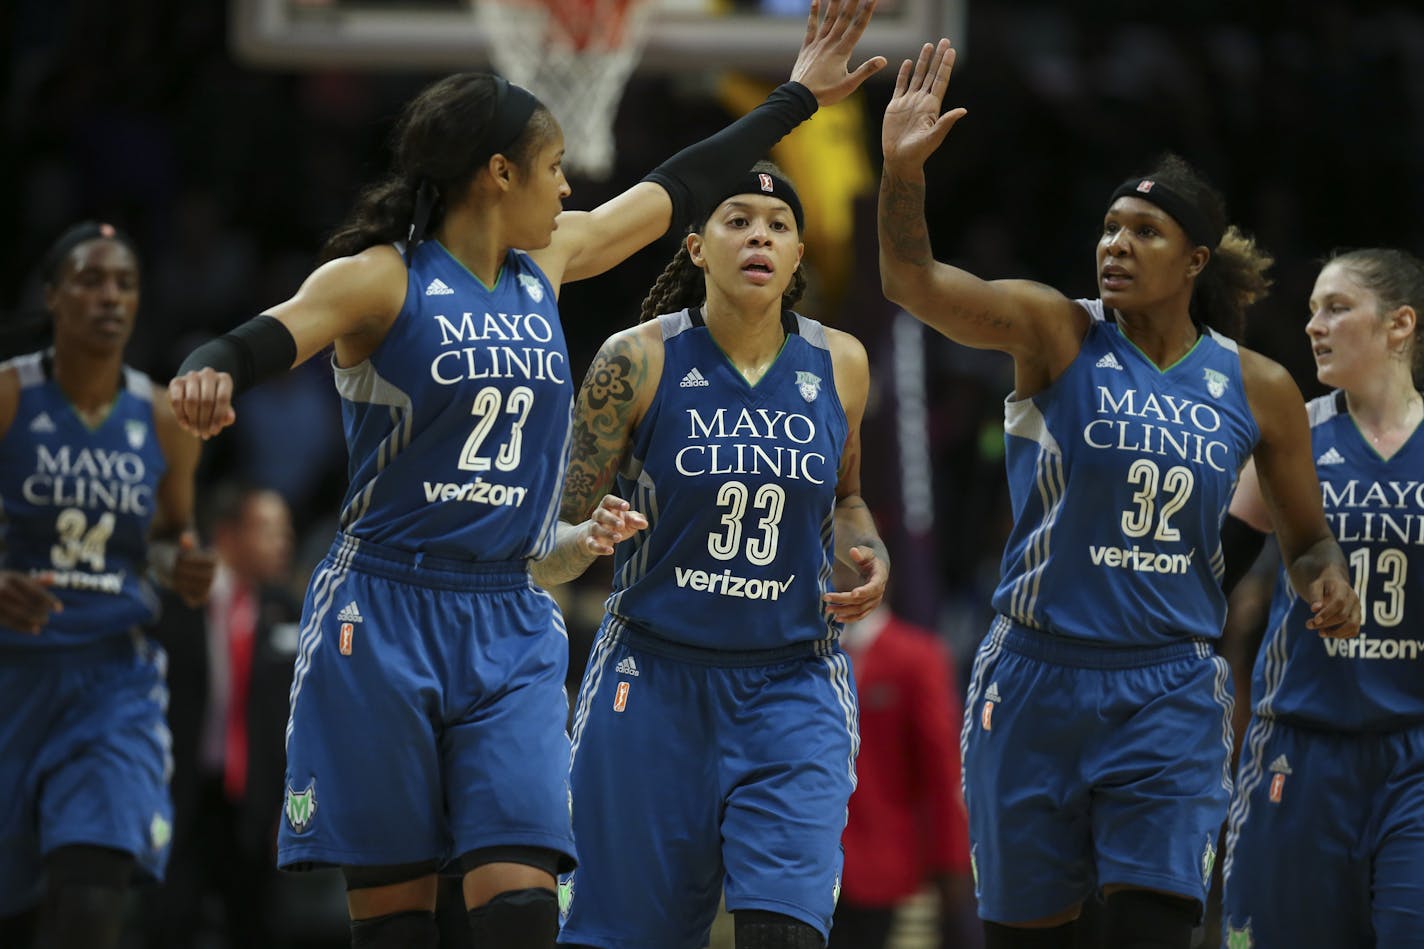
(457, 426)
(1120, 474)
(739, 486)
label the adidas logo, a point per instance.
(693, 380)
(1109, 361)
(627, 667)
(1331, 457)
(437, 288)
(42, 423)
(349, 613)
(1281, 766)
(993, 694)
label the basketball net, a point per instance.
(576, 56)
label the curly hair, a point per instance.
(683, 284)
(1396, 278)
(438, 139)
(1235, 275)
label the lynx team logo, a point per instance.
(1239, 938)
(136, 432)
(1208, 860)
(301, 807)
(531, 287)
(566, 896)
(809, 385)
(1215, 383)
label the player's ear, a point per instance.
(694, 244)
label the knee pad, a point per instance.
(1142, 919)
(759, 929)
(518, 919)
(999, 936)
(84, 900)
(410, 930)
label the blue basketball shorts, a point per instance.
(1325, 842)
(1088, 766)
(85, 758)
(428, 713)
(694, 773)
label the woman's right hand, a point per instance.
(202, 401)
(913, 127)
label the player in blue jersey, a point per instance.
(1325, 843)
(1097, 727)
(427, 724)
(96, 485)
(715, 730)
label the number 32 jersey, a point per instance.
(739, 486)
(78, 503)
(457, 426)
(1120, 474)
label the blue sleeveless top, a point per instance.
(738, 482)
(1374, 682)
(1120, 474)
(457, 426)
(78, 504)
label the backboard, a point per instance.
(443, 34)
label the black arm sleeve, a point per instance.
(695, 176)
(257, 350)
(1240, 546)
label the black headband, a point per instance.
(513, 107)
(767, 183)
(1199, 229)
(60, 250)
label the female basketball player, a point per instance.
(96, 482)
(715, 733)
(1326, 835)
(428, 703)
(1097, 733)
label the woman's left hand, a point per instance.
(821, 65)
(856, 604)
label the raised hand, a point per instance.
(913, 127)
(821, 65)
(202, 401)
(857, 604)
(611, 523)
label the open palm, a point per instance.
(913, 127)
(821, 65)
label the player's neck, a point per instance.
(89, 381)
(1387, 410)
(473, 241)
(752, 339)
(1163, 335)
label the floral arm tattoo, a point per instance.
(603, 425)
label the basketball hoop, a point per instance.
(576, 56)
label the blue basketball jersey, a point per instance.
(78, 503)
(738, 482)
(1120, 474)
(457, 426)
(1375, 506)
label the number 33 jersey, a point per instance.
(457, 426)
(78, 503)
(1120, 474)
(738, 482)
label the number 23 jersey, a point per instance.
(739, 486)
(457, 426)
(1120, 474)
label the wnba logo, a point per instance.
(620, 698)
(1278, 787)
(766, 182)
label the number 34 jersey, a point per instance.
(78, 503)
(1120, 474)
(457, 426)
(739, 486)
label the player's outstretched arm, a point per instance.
(615, 393)
(587, 243)
(353, 299)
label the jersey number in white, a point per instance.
(1392, 565)
(1147, 477)
(770, 501)
(78, 542)
(486, 409)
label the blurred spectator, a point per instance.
(907, 825)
